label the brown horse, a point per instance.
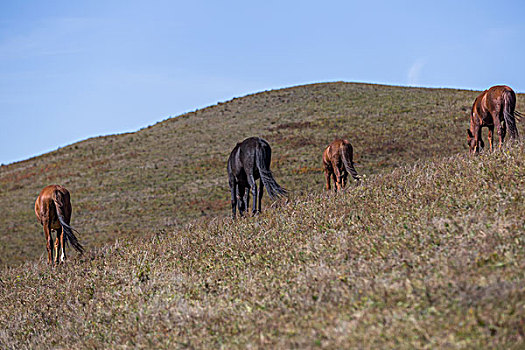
(53, 210)
(338, 162)
(494, 107)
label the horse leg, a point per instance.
(491, 131)
(327, 174)
(345, 178)
(497, 125)
(63, 247)
(47, 232)
(247, 200)
(233, 188)
(57, 247)
(261, 192)
(253, 187)
(338, 178)
(241, 203)
(477, 138)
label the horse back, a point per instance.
(335, 150)
(242, 160)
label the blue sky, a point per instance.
(70, 70)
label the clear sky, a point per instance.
(73, 69)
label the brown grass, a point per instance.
(426, 253)
(174, 171)
(429, 255)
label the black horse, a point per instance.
(249, 161)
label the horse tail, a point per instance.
(262, 156)
(348, 161)
(509, 99)
(518, 115)
(66, 228)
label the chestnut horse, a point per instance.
(338, 162)
(249, 161)
(494, 107)
(53, 210)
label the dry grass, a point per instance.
(164, 175)
(428, 252)
(430, 255)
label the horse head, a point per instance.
(471, 142)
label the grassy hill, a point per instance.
(427, 255)
(168, 174)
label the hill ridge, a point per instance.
(220, 103)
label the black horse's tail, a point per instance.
(66, 228)
(262, 155)
(348, 162)
(509, 99)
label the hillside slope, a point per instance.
(427, 256)
(174, 171)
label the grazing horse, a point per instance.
(338, 162)
(249, 161)
(53, 210)
(494, 107)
